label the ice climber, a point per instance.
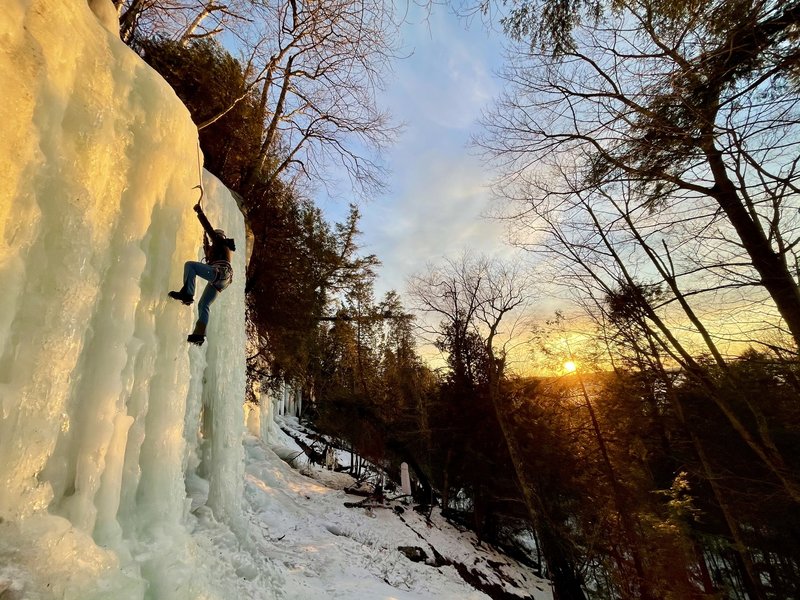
(217, 270)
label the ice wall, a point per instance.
(106, 416)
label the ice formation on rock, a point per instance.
(106, 415)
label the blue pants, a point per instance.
(191, 270)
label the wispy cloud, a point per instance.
(448, 77)
(438, 191)
(439, 213)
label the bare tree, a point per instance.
(654, 151)
(592, 240)
(324, 66)
(472, 298)
(696, 111)
(180, 20)
(316, 67)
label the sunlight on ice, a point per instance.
(96, 382)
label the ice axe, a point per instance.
(200, 187)
(199, 175)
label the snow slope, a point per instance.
(326, 550)
(122, 469)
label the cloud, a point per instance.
(439, 213)
(448, 78)
(438, 190)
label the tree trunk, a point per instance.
(129, 19)
(641, 585)
(749, 576)
(188, 33)
(446, 479)
(705, 574)
(566, 582)
(272, 128)
(775, 274)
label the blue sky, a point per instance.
(438, 187)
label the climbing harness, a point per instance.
(224, 274)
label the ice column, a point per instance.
(218, 368)
(99, 159)
(405, 480)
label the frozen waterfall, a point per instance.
(106, 415)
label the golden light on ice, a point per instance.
(570, 366)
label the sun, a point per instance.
(570, 366)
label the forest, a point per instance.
(647, 162)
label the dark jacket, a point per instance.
(220, 247)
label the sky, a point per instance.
(438, 186)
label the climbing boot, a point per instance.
(198, 336)
(182, 296)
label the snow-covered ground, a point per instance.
(323, 549)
